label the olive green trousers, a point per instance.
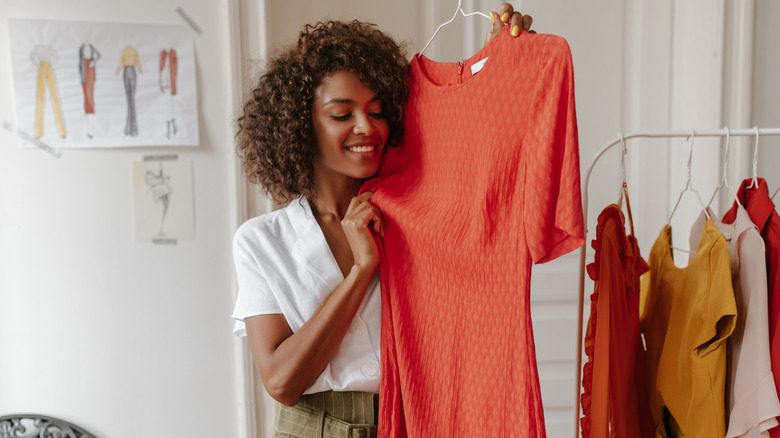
(328, 414)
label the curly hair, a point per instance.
(275, 135)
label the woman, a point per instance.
(312, 132)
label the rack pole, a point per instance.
(583, 248)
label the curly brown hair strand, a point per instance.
(275, 136)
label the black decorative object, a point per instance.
(39, 426)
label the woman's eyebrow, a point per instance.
(337, 100)
(341, 100)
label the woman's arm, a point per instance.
(289, 362)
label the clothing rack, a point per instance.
(622, 138)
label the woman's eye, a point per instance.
(341, 118)
(377, 115)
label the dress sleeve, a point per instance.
(721, 312)
(254, 295)
(552, 198)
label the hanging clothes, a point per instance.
(481, 189)
(751, 394)
(614, 400)
(687, 314)
(762, 213)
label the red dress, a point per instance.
(614, 401)
(486, 184)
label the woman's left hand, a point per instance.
(507, 16)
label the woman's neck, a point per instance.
(333, 195)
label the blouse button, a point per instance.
(370, 369)
(356, 328)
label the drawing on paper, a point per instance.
(169, 68)
(43, 57)
(159, 184)
(133, 108)
(162, 200)
(129, 60)
(88, 56)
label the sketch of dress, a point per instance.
(88, 56)
(44, 56)
(129, 60)
(169, 68)
(160, 185)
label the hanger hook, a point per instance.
(690, 157)
(623, 154)
(754, 183)
(726, 154)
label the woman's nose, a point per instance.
(363, 125)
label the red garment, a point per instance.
(89, 87)
(173, 67)
(762, 213)
(614, 401)
(486, 184)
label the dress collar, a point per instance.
(756, 201)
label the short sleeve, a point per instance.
(721, 312)
(552, 207)
(254, 295)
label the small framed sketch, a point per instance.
(163, 200)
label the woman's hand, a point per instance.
(361, 218)
(507, 16)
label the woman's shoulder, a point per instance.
(278, 228)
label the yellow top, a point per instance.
(129, 58)
(686, 315)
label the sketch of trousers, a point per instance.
(131, 125)
(46, 77)
(89, 87)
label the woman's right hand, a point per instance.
(507, 16)
(363, 218)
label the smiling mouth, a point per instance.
(361, 148)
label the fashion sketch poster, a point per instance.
(97, 85)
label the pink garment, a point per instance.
(752, 399)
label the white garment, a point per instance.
(750, 386)
(284, 265)
(42, 53)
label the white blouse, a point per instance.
(284, 266)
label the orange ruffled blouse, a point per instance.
(614, 401)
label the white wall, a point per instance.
(123, 339)
(766, 90)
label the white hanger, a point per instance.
(460, 9)
(775, 193)
(724, 180)
(688, 187)
(623, 153)
(754, 183)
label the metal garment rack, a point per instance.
(618, 140)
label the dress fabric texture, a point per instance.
(468, 208)
(761, 209)
(614, 400)
(750, 388)
(687, 314)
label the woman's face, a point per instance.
(349, 127)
